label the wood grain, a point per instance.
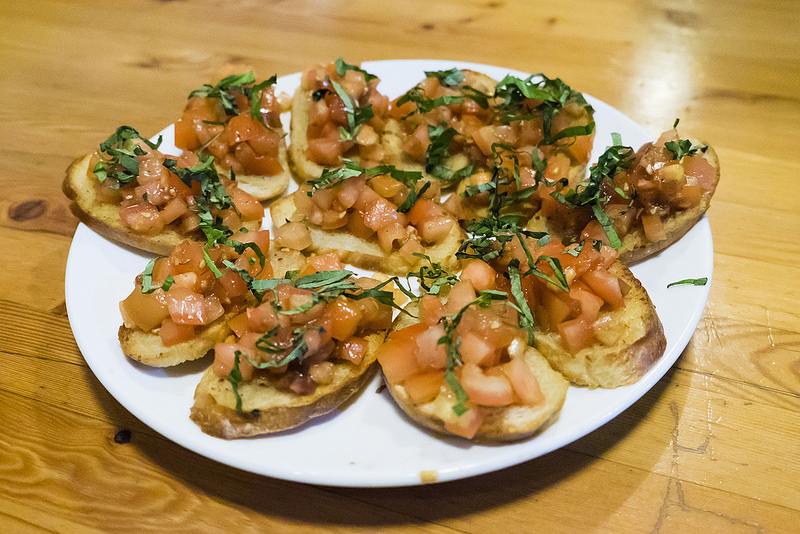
(713, 447)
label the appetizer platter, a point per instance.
(368, 440)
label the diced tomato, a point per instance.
(424, 387)
(430, 309)
(605, 285)
(397, 355)
(238, 324)
(525, 384)
(293, 235)
(232, 284)
(480, 274)
(430, 353)
(576, 334)
(475, 349)
(345, 318)
(141, 217)
(249, 208)
(467, 424)
(325, 151)
(173, 333)
(352, 349)
(653, 227)
(143, 310)
(225, 358)
(461, 294)
(699, 168)
(261, 318)
(380, 213)
(590, 303)
(486, 388)
(186, 306)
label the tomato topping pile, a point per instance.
(372, 206)
(637, 190)
(346, 115)
(461, 134)
(302, 327)
(180, 293)
(569, 299)
(482, 350)
(237, 123)
(152, 195)
(660, 184)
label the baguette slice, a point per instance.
(383, 147)
(267, 409)
(368, 254)
(500, 423)
(147, 348)
(103, 217)
(635, 342)
(635, 244)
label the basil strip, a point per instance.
(235, 378)
(690, 281)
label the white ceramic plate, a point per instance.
(370, 443)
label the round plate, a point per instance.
(369, 443)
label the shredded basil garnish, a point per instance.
(690, 281)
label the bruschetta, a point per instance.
(181, 304)
(590, 317)
(337, 113)
(458, 363)
(378, 218)
(130, 192)
(469, 131)
(238, 122)
(308, 347)
(638, 202)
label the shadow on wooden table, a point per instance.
(579, 468)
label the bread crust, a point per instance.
(103, 217)
(500, 423)
(639, 345)
(368, 254)
(267, 409)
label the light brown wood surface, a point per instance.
(713, 447)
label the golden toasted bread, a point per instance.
(103, 216)
(499, 423)
(631, 341)
(267, 408)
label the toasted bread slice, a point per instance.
(635, 244)
(632, 342)
(368, 254)
(379, 144)
(500, 423)
(147, 347)
(81, 187)
(267, 409)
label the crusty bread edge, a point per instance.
(267, 410)
(623, 363)
(501, 423)
(104, 218)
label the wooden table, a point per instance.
(713, 446)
